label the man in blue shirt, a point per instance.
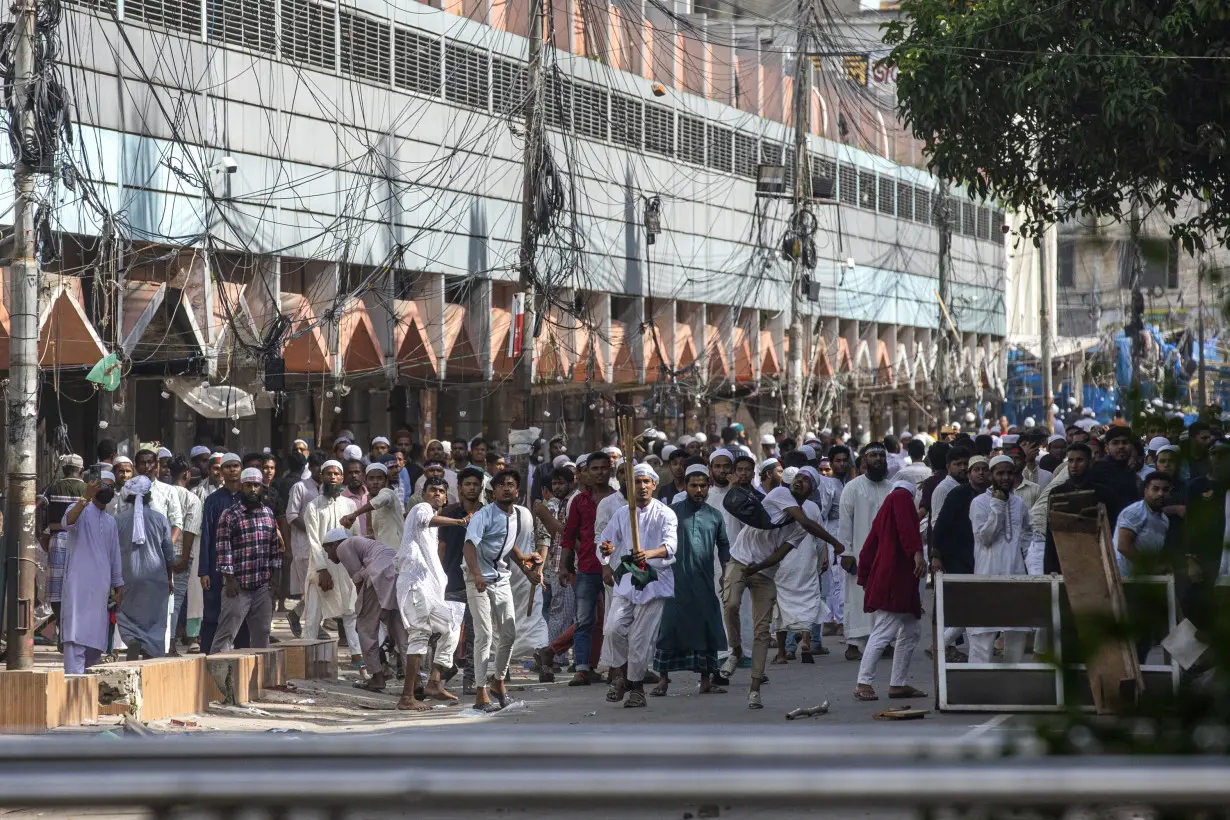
(218, 502)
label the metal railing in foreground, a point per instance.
(668, 766)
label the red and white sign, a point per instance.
(516, 335)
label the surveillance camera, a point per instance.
(227, 165)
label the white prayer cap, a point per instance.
(163, 452)
(702, 437)
(1056, 437)
(559, 461)
(974, 460)
(266, 450)
(685, 440)
(696, 469)
(341, 440)
(1029, 421)
(905, 484)
(810, 436)
(199, 451)
(645, 471)
(906, 434)
(231, 458)
(118, 460)
(1178, 414)
(808, 451)
(667, 450)
(1167, 448)
(827, 431)
(744, 450)
(107, 475)
(332, 463)
(788, 475)
(352, 453)
(721, 451)
(998, 460)
(768, 440)
(567, 464)
(1010, 438)
(70, 460)
(1157, 443)
(613, 451)
(298, 441)
(377, 467)
(582, 460)
(1086, 423)
(766, 464)
(996, 442)
(334, 535)
(251, 476)
(1088, 412)
(379, 440)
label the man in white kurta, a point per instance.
(860, 501)
(631, 629)
(330, 592)
(999, 518)
(92, 571)
(301, 495)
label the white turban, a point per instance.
(905, 484)
(334, 535)
(721, 451)
(645, 471)
(331, 463)
(251, 476)
(137, 486)
(231, 457)
(352, 453)
(613, 452)
(377, 467)
(199, 450)
(998, 460)
(696, 469)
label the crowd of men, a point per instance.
(439, 559)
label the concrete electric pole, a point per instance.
(800, 215)
(532, 162)
(943, 220)
(1044, 323)
(19, 541)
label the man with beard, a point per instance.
(890, 568)
(186, 566)
(754, 557)
(691, 633)
(330, 592)
(199, 458)
(1025, 488)
(799, 591)
(770, 471)
(435, 454)
(164, 499)
(953, 539)
(249, 555)
(1140, 530)
(1199, 438)
(218, 502)
(541, 481)
(998, 518)
(459, 454)
(860, 501)
(452, 546)
(301, 495)
(957, 464)
(1113, 476)
(382, 513)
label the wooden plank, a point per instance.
(271, 666)
(233, 677)
(81, 700)
(310, 659)
(31, 700)
(156, 688)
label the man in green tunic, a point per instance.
(692, 632)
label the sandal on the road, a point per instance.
(366, 686)
(906, 692)
(659, 691)
(615, 693)
(636, 699)
(753, 701)
(865, 693)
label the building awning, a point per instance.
(67, 337)
(1061, 346)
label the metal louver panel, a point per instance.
(888, 194)
(558, 103)
(923, 206)
(905, 201)
(718, 152)
(179, 15)
(770, 153)
(590, 111)
(968, 212)
(691, 140)
(247, 23)
(307, 33)
(465, 75)
(509, 87)
(823, 177)
(746, 152)
(867, 190)
(660, 130)
(365, 47)
(416, 63)
(847, 184)
(626, 121)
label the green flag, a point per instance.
(106, 374)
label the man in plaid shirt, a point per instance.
(249, 558)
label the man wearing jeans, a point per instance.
(580, 565)
(500, 535)
(249, 561)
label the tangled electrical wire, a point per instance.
(45, 97)
(799, 241)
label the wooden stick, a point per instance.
(625, 430)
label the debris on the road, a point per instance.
(306, 702)
(901, 713)
(808, 711)
(708, 810)
(183, 724)
(591, 714)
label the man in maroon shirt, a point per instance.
(580, 566)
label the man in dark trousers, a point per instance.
(953, 538)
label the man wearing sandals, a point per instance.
(890, 565)
(636, 614)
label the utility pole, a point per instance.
(531, 163)
(1044, 321)
(23, 353)
(1200, 377)
(941, 341)
(800, 213)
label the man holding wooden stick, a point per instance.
(644, 580)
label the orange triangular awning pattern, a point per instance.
(685, 347)
(459, 349)
(744, 370)
(551, 355)
(501, 325)
(415, 356)
(624, 368)
(590, 350)
(845, 364)
(719, 362)
(823, 367)
(361, 351)
(66, 336)
(306, 351)
(769, 365)
(884, 369)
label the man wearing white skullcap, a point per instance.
(249, 553)
(147, 555)
(330, 592)
(381, 510)
(636, 611)
(95, 570)
(380, 447)
(1001, 528)
(859, 504)
(227, 494)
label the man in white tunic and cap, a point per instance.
(999, 519)
(92, 575)
(631, 629)
(330, 592)
(860, 501)
(302, 494)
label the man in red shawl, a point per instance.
(889, 568)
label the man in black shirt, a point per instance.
(1112, 476)
(470, 492)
